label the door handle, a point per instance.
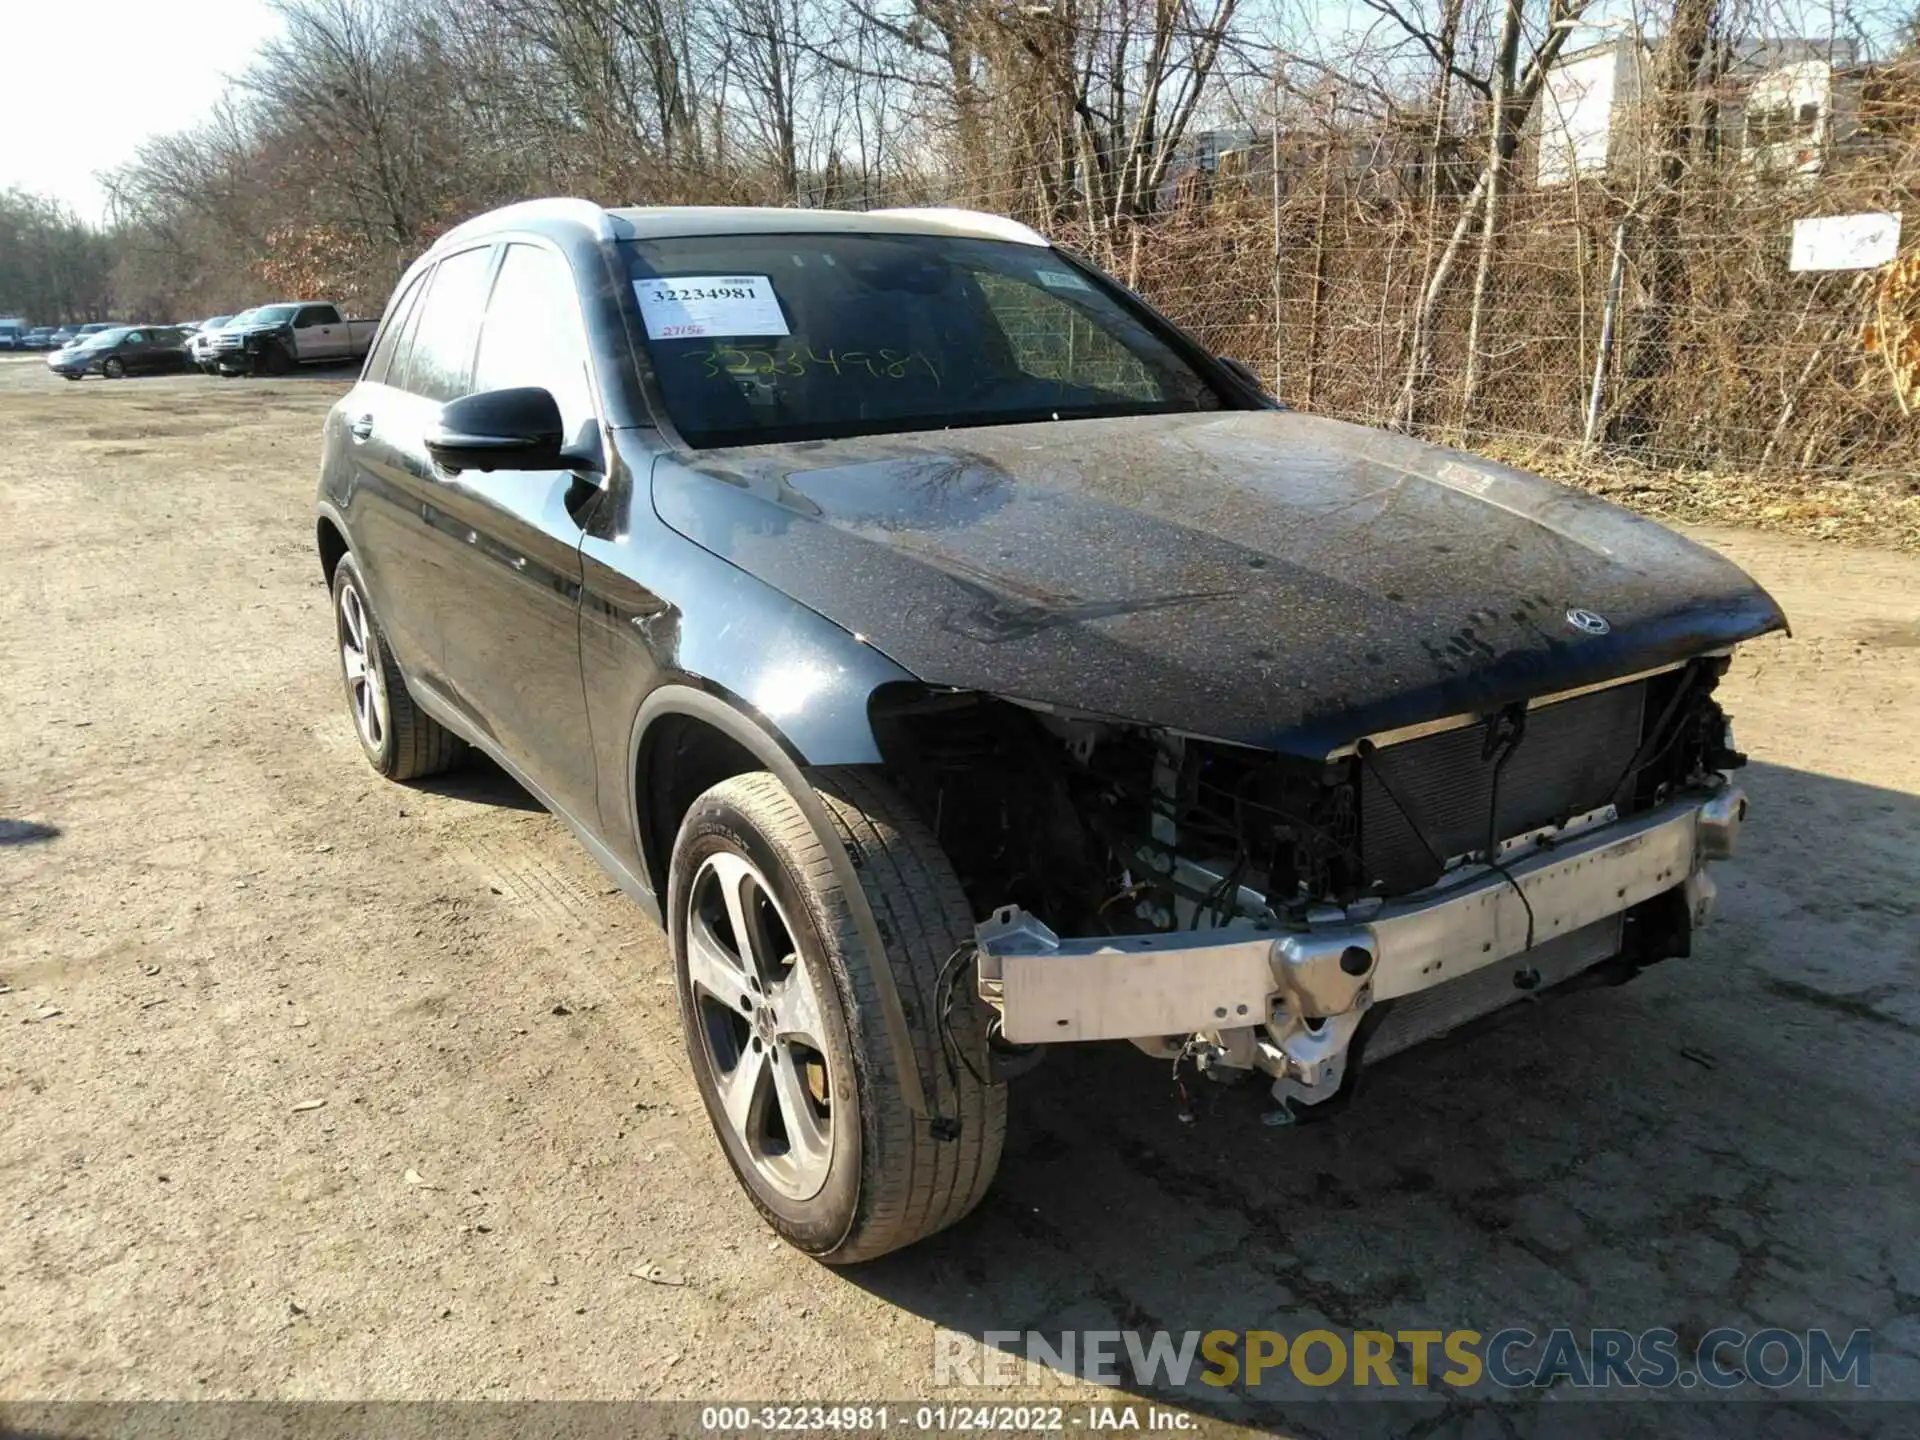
(361, 429)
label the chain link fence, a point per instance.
(1622, 324)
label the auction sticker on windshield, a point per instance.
(1061, 280)
(692, 307)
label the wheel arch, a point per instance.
(711, 733)
(331, 537)
(688, 738)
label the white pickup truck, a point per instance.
(275, 338)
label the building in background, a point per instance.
(1783, 105)
(1794, 104)
(1590, 111)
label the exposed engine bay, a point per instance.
(1293, 912)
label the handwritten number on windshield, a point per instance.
(880, 364)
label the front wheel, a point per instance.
(115, 368)
(779, 997)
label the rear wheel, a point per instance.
(400, 739)
(779, 997)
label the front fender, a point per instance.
(774, 753)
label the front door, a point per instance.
(319, 333)
(505, 545)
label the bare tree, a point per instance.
(1516, 108)
(1661, 262)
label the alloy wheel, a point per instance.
(360, 657)
(760, 1024)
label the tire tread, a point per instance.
(914, 1183)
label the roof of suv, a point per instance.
(652, 222)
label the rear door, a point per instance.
(166, 351)
(388, 505)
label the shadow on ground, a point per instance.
(1688, 1151)
(1725, 1141)
(26, 832)
(478, 780)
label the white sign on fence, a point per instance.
(1845, 242)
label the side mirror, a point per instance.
(1242, 372)
(517, 429)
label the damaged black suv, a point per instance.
(959, 660)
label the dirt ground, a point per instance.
(316, 1086)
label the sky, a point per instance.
(169, 59)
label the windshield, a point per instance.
(273, 314)
(105, 337)
(793, 337)
(215, 323)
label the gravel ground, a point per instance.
(315, 1086)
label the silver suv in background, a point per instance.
(275, 338)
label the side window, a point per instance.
(403, 349)
(532, 333)
(310, 315)
(135, 337)
(1051, 340)
(397, 314)
(441, 354)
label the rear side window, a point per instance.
(532, 334)
(440, 358)
(390, 333)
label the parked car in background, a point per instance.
(118, 351)
(72, 334)
(40, 337)
(13, 334)
(277, 337)
(962, 660)
(200, 343)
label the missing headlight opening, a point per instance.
(1257, 912)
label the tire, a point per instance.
(399, 739)
(114, 368)
(886, 1179)
(272, 360)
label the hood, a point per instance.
(1264, 577)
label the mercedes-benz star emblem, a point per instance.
(1587, 622)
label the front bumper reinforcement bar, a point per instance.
(1309, 986)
